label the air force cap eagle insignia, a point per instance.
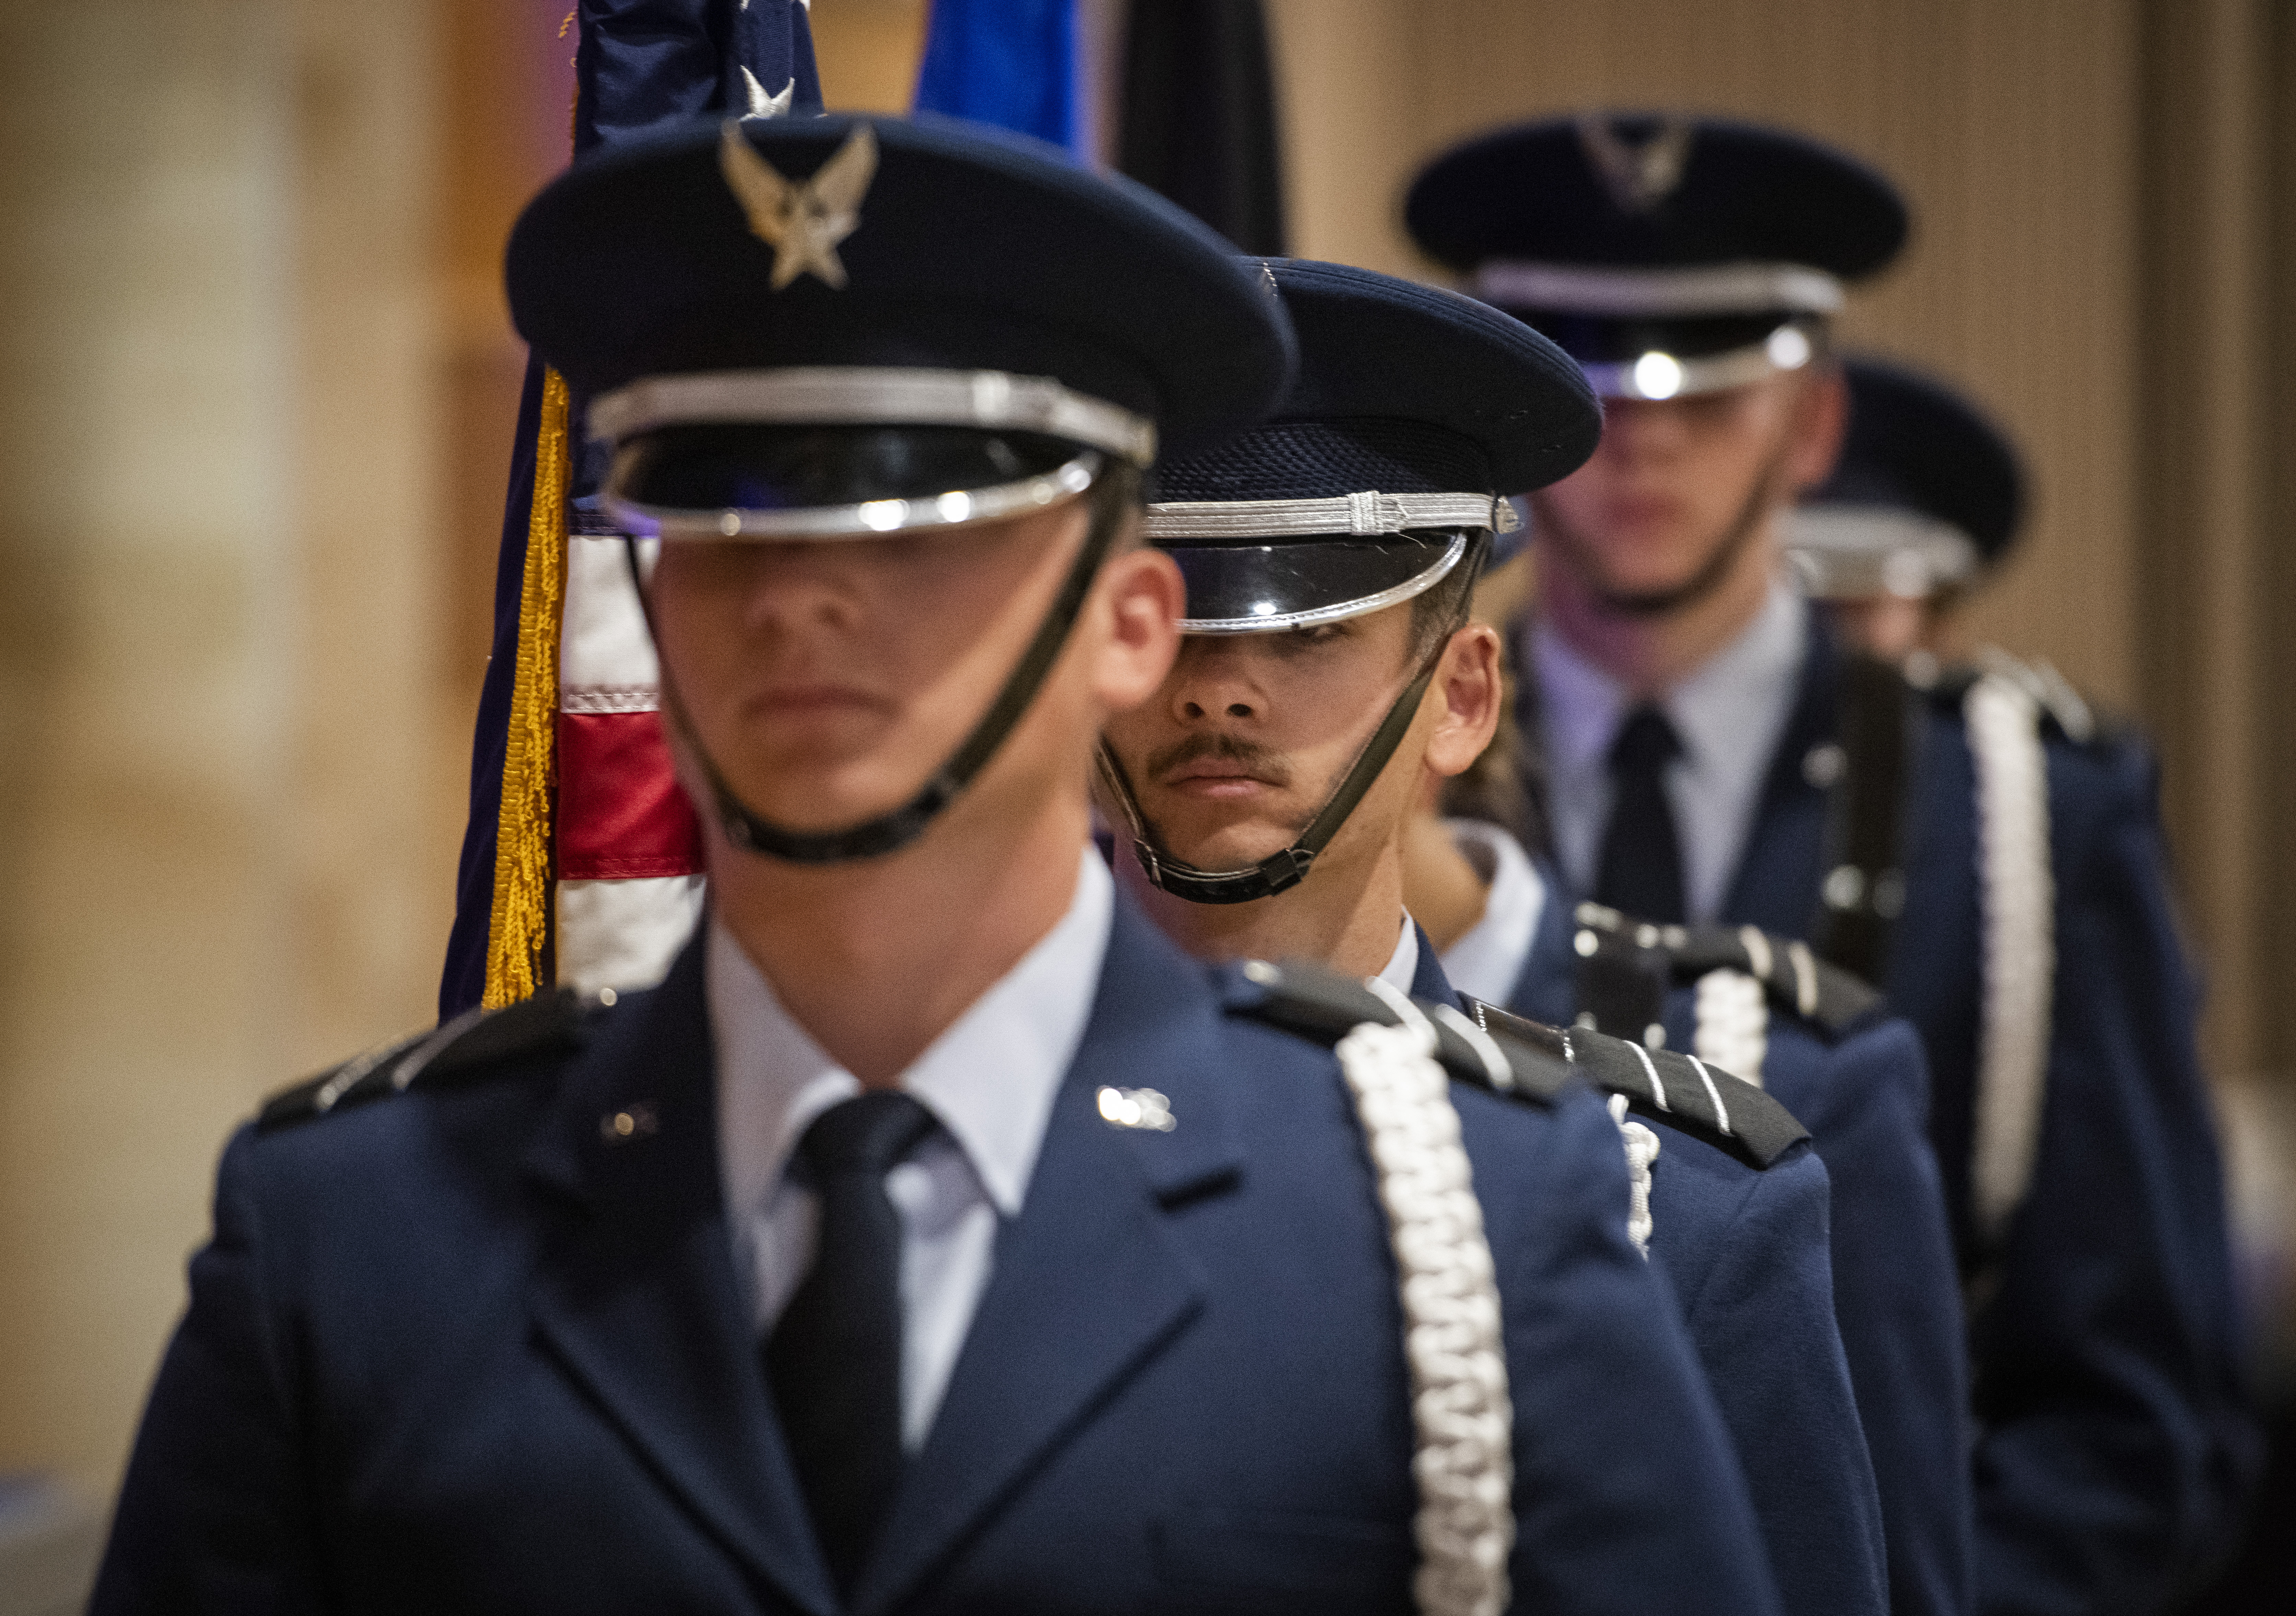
(802, 221)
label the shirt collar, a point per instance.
(1582, 706)
(1709, 708)
(1487, 959)
(1579, 705)
(989, 1078)
(1402, 967)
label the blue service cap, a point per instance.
(1415, 413)
(803, 327)
(1669, 254)
(1927, 493)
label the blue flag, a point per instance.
(1008, 62)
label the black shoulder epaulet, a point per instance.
(1625, 966)
(1705, 1102)
(473, 1042)
(1526, 1061)
(1322, 1005)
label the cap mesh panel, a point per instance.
(1327, 459)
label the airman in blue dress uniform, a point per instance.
(1816, 1039)
(1924, 502)
(1712, 753)
(1328, 676)
(937, 1237)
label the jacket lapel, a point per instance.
(1089, 1284)
(1774, 885)
(636, 1293)
(1428, 981)
(1427, 972)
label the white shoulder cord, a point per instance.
(1460, 1409)
(1733, 1024)
(1641, 1141)
(2018, 901)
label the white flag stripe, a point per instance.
(604, 645)
(624, 934)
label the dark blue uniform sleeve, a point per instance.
(2115, 1448)
(1748, 1252)
(1897, 1295)
(1628, 1495)
(213, 1516)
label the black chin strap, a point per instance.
(745, 827)
(1715, 568)
(1281, 871)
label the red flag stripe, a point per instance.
(621, 813)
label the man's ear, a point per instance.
(1142, 594)
(1466, 693)
(1821, 418)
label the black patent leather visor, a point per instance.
(750, 480)
(1248, 588)
(1609, 339)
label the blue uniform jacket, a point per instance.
(1745, 1255)
(1894, 1291)
(462, 1349)
(2114, 1447)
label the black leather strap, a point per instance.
(1113, 495)
(1281, 871)
(1864, 889)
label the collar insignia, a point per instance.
(1639, 177)
(636, 1121)
(802, 221)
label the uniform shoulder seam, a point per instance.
(467, 1046)
(1313, 1002)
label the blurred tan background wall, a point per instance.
(225, 830)
(259, 389)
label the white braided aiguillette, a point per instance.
(1460, 1409)
(1641, 1141)
(1733, 1024)
(2018, 898)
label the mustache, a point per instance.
(1263, 762)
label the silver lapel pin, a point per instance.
(1141, 1108)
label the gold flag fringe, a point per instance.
(517, 931)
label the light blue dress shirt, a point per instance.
(1729, 715)
(1487, 959)
(989, 1079)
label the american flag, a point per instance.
(582, 858)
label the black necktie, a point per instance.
(1641, 872)
(834, 1359)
